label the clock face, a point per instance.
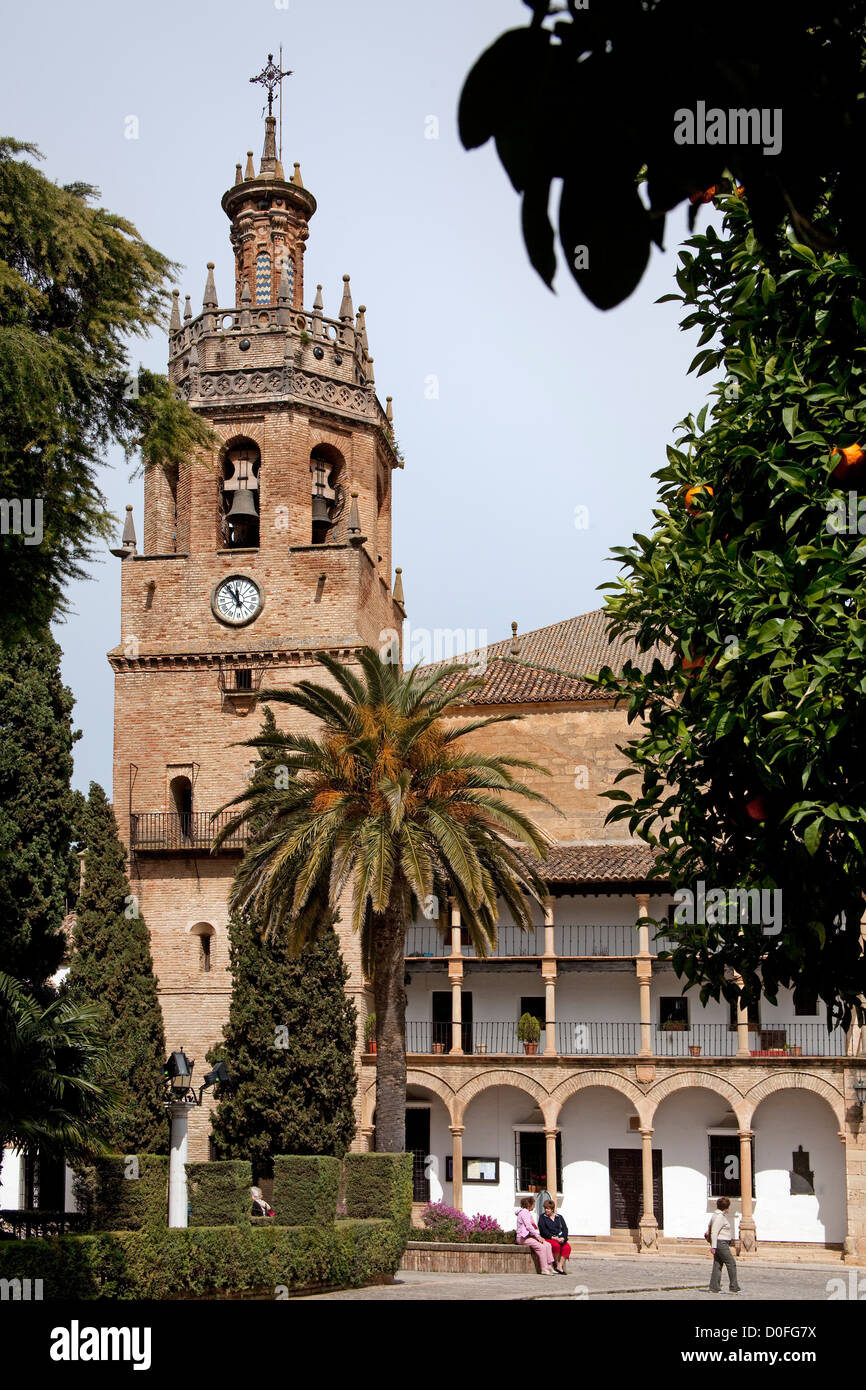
(237, 600)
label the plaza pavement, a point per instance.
(634, 1278)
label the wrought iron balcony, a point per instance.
(621, 1039)
(577, 941)
(192, 832)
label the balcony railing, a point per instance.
(623, 1039)
(594, 940)
(193, 831)
(598, 1039)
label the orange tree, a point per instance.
(751, 756)
(384, 804)
(590, 95)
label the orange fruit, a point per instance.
(704, 197)
(696, 492)
(851, 460)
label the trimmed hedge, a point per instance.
(219, 1193)
(379, 1185)
(114, 1199)
(201, 1260)
(305, 1189)
(158, 1263)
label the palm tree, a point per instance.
(51, 1094)
(386, 804)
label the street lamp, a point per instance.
(860, 1092)
(178, 1074)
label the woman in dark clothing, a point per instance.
(553, 1229)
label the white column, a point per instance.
(177, 1195)
(644, 971)
(455, 976)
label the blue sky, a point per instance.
(544, 404)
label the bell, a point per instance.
(321, 511)
(243, 507)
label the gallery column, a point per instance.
(644, 967)
(455, 975)
(548, 974)
(550, 1138)
(457, 1166)
(748, 1238)
(648, 1226)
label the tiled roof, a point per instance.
(620, 863)
(551, 663)
(509, 682)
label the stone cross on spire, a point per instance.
(271, 77)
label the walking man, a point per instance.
(720, 1235)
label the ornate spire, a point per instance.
(250, 171)
(174, 322)
(318, 306)
(389, 411)
(269, 150)
(361, 328)
(397, 592)
(239, 178)
(346, 309)
(353, 527)
(187, 310)
(210, 300)
(296, 176)
(515, 645)
(127, 541)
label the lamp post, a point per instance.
(182, 1097)
(860, 1092)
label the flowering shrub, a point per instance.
(445, 1223)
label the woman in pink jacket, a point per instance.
(528, 1234)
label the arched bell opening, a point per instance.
(239, 496)
(329, 493)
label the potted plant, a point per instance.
(694, 1049)
(370, 1033)
(438, 1048)
(794, 1049)
(481, 1049)
(529, 1032)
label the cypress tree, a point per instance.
(289, 1046)
(112, 965)
(37, 824)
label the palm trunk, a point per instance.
(389, 932)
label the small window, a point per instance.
(802, 1177)
(534, 1004)
(674, 1013)
(725, 1166)
(753, 1013)
(530, 1161)
(805, 1005)
(205, 952)
(243, 678)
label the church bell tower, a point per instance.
(272, 546)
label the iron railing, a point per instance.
(574, 940)
(623, 1039)
(24, 1224)
(598, 1039)
(188, 831)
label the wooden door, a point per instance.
(626, 1188)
